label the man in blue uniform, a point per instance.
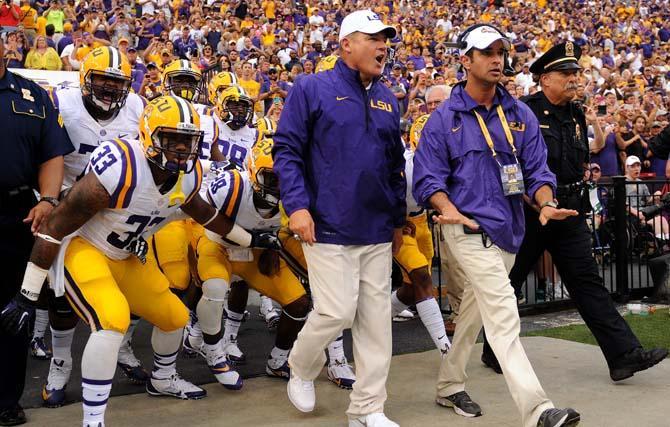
(33, 146)
(339, 159)
(479, 153)
(563, 125)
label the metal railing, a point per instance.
(629, 229)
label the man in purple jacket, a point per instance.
(339, 159)
(480, 152)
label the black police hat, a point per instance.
(564, 56)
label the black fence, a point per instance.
(629, 227)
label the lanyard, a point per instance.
(487, 135)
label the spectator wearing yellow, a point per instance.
(90, 43)
(269, 7)
(43, 57)
(28, 19)
(251, 86)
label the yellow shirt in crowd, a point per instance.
(253, 89)
(47, 61)
(28, 17)
(41, 26)
(269, 9)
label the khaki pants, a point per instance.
(351, 288)
(489, 298)
(455, 279)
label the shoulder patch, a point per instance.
(123, 194)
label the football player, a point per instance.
(233, 113)
(250, 198)
(102, 108)
(129, 189)
(170, 245)
(416, 253)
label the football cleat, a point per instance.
(283, 371)
(341, 373)
(404, 316)
(53, 392)
(222, 369)
(271, 317)
(131, 366)
(232, 351)
(174, 386)
(39, 349)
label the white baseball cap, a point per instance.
(483, 37)
(364, 21)
(631, 160)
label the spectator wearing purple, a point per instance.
(416, 58)
(185, 46)
(607, 156)
(273, 90)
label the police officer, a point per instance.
(563, 126)
(479, 153)
(32, 146)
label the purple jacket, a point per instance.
(453, 157)
(338, 153)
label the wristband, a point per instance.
(550, 203)
(240, 236)
(50, 200)
(48, 238)
(33, 279)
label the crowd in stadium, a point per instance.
(624, 83)
(187, 79)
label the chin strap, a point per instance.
(177, 195)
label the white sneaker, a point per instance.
(232, 350)
(378, 419)
(174, 386)
(301, 393)
(341, 373)
(404, 316)
(53, 393)
(221, 368)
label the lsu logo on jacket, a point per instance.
(381, 105)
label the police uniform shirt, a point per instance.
(564, 131)
(32, 129)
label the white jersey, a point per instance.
(412, 206)
(87, 134)
(208, 125)
(232, 194)
(137, 208)
(236, 144)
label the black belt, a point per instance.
(417, 213)
(11, 192)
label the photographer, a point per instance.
(10, 14)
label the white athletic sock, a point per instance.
(266, 305)
(41, 323)
(233, 323)
(277, 357)
(431, 317)
(166, 347)
(128, 336)
(397, 306)
(336, 350)
(97, 370)
(61, 344)
(96, 394)
(196, 331)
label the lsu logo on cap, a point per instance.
(373, 17)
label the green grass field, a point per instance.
(652, 330)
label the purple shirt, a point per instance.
(453, 158)
(608, 157)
